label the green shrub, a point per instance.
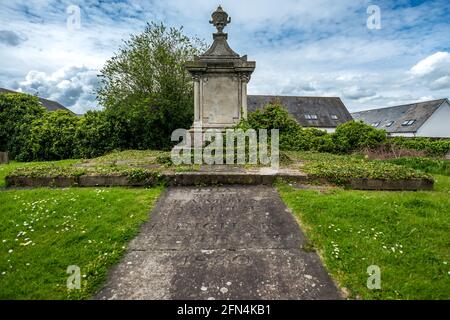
(321, 140)
(292, 136)
(348, 137)
(355, 135)
(17, 112)
(94, 135)
(432, 147)
(52, 137)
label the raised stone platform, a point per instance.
(217, 175)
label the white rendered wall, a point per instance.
(438, 125)
(402, 134)
(329, 130)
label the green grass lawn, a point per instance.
(43, 231)
(407, 234)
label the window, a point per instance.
(408, 122)
(311, 116)
(334, 117)
(375, 124)
(390, 123)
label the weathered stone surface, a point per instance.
(36, 182)
(93, 181)
(219, 242)
(4, 158)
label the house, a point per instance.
(317, 112)
(50, 105)
(421, 119)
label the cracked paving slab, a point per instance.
(227, 242)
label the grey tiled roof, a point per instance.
(419, 112)
(50, 105)
(324, 107)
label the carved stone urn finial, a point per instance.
(220, 19)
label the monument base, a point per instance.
(197, 133)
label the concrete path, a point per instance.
(231, 242)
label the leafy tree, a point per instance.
(17, 111)
(146, 89)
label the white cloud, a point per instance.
(436, 63)
(433, 71)
(356, 92)
(441, 83)
(71, 86)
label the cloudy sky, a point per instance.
(308, 48)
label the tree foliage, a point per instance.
(146, 89)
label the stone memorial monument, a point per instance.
(220, 81)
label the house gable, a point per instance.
(404, 120)
(438, 124)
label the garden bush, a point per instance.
(52, 137)
(432, 147)
(17, 112)
(348, 137)
(356, 135)
(94, 135)
(292, 136)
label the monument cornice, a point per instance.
(220, 57)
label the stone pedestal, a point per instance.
(220, 81)
(4, 158)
